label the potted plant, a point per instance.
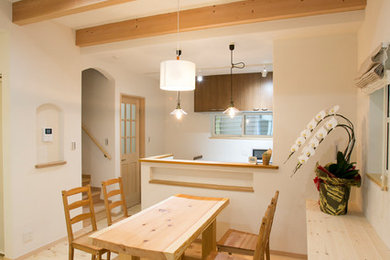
(334, 180)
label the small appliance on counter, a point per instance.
(258, 153)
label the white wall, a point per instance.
(4, 72)
(310, 74)
(135, 85)
(190, 136)
(44, 67)
(373, 31)
(98, 115)
(1, 164)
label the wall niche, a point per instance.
(49, 136)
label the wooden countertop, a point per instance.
(163, 159)
(341, 237)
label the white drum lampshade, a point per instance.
(177, 75)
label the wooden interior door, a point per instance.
(130, 149)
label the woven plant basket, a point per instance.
(334, 192)
(334, 199)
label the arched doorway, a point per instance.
(98, 133)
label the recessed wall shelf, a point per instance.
(49, 164)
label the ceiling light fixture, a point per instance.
(177, 75)
(199, 78)
(264, 72)
(231, 110)
(178, 112)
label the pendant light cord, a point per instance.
(178, 100)
(238, 65)
(178, 25)
(231, 81)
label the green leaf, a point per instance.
(333, 168)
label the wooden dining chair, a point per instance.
(109, 204)
(260, 245)
(236, 241)
(82, 242)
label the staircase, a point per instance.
(100, 211)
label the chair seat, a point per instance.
(224, 256)
(85, 243)
(235, 241)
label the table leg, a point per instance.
(209, 240)
(128, 257)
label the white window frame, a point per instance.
(243, 135)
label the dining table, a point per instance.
(164, 230)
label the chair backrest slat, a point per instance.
(265, 229)
(115, 204)
(110, 205)
(113, 193)
(260, 245)
(78, 204)
(80, 217)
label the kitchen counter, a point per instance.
(168, 158)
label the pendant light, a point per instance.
(231, 110)
(178, 112)
(177, 75)
(264, 72)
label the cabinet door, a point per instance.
(250, 92)
(212, 94)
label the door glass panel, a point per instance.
(133, 131)
(127, 145)
(133, 110)
(133, 144)
(122, 110)
(127, 128)
(127, 111)
(123, 128)
(122, 145)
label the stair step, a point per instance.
(86, 179)
(95, 192)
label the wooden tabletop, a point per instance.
(164, 230)
(341, 237)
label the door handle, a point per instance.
(122, 160)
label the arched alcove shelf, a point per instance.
(49, 136)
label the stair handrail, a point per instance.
(101, 148)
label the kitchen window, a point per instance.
(244, 125)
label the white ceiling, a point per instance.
(207, 48)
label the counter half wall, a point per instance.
(163, 176)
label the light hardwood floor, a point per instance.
(59, 251)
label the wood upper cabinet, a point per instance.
(250, 92)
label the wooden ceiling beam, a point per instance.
(241, 12)
(32, 11)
